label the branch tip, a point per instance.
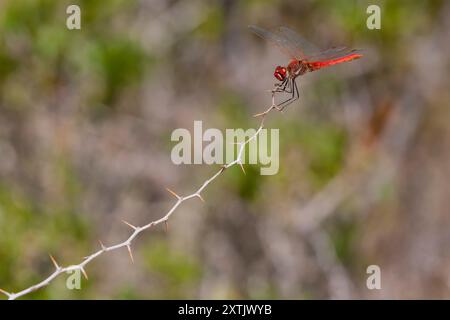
(131, 254)
(242, 167)
(174, 194)
(84, 273)
(166, 225)
(102, 245)
(6, 293)
(54, 262)
(200, 197)
(129, 224)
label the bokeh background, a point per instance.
(85, 124)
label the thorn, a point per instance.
(5, 293)
(129, 224)
(174, 194)
(54, 262)
(84, 273)
(242, 167)
(102, 245)
(166, 225)
(131, 254)
(200, 197)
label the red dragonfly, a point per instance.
(305, 57)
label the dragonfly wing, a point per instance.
(296, 47)
(278, 40)
(329, 53)
(299, 44)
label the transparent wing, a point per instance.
(300, 45)
(296, 47)
(280, 41)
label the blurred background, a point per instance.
(85, 123)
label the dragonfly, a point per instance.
(305, 57)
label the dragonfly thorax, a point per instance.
(296, 68)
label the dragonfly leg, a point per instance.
(285, 86)
(295, 95)
(281, 87)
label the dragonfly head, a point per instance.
(280, 73)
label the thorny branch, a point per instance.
(138, 229)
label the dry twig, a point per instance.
(138, 229)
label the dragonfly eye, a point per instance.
(280, 73)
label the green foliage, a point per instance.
(213, 24)
(28, 233)
(232, 107)
(179, 271)
(120, 64)
(108, 58)
(344, 234)
(246, 185)
(321, 144)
